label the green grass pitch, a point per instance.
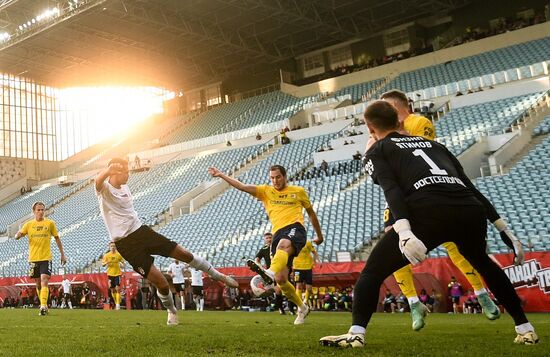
(232, 333)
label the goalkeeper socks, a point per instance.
(201, 304)
(182, 300)
(306, 298)
(167, 301)
(357, 330)
(290, 292)
(44, 296)
(278, 263)
(299, 292)
(481, 291)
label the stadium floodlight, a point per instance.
(4, 36)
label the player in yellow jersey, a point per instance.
(40, 231)
(284, 205)
(113, 260)
(417, 125)
(303, 270)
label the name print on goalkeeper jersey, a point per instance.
(420, 170)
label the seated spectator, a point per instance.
(321, 149)
(23, 190)
(402, 302)
(137, 162)
(258, 136)
(389, 302)
(351, 142)
(458, 94)
(426, 299)
(324, 166)
(329, 148)
(357, 155)
(345, 142)
(471, 305)
(228, 143)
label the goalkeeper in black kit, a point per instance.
(433, 202)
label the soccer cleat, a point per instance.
(43, 311)
(302, 315)
(345, 341)
(528, 338)
(418, 313)
(268, 276)
(172, 319)
(489, 308)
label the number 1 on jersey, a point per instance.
(434, 169)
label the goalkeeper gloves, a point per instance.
(412, 248)
(510, 240)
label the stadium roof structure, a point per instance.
(183, 43)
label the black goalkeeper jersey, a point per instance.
(414, 171)
(265, 253)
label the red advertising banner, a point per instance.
(531, 280)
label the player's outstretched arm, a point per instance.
(492, 215)
(316, 226)
(214, 172)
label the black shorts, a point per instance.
(67, 296)
(179, 287)
(38, 268)
(455, 299)
(296, 233)
(303, 276)
(138, 248)
(197, 290)
(114, 281)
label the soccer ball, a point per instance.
(260, 288)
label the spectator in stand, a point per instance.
(346, 142)
(455, 292)
(389, 303)
(351, 142)
(258, 136)
(471, 304)
(228, 143)
(357, 155)
(137, 162)
(23, 190)
(324, 167)
(329, 148)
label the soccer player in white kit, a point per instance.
(66, 284)
(136, 242)
(197, 286)
(175, 270)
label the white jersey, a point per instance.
(66, 284)
(117, 208)
(177, 272)
(196, 277)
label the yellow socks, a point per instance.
(405, 281)
(44, 296)
(290, 292)
(465, 267)
(279, 261)
(306, 298)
